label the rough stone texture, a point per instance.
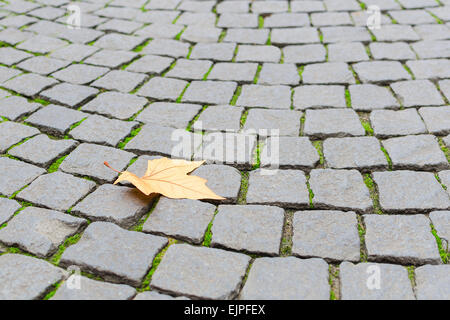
(258, 53)
(432, 69)
(332, 122)
(29, 84)
(437, 119)
(388, 123)
(114, 104)
(18, 174)
(7, 209)
(327, 234)
(285, 188)
(13, 133)
(277, 97)
(287, 279)
(441, 222)
(118, 204)
(276, 122)
(340, 189)
(87, 160)
(58, 190)
(354, 153)
(357, 283)
(433, 282)
(273, 74)
(80, 73)
(305, 53)
(177, 115)
(213, 273)
(400, 239)
(367, 97)
(219, 118)
(417, 93)
(69, 94)
(319, 96)
(328, 73)
(181, 219)
(120, 80)
(27, 278)
(104, 247)
(381, 71)
(444, 176)
(14, 107)
(210, 92)
(240, 72)
(151, 64)
(92, 290)
(162, 88)
(40, 231)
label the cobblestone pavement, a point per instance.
(358, 210)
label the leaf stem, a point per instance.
(107, 164)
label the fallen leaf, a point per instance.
(170, 178)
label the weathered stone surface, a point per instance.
(115, 104)
(69, 94)
(258, 53)
(166, 47)
(340, 189)
(58, 190)
(7, 209)
(432, 69)
(328, 73)
(14, 107)
(327, 234)
(433, 282)
(332, 122)
(388, 123)
(120, 80)
(319, 96)
(357, 282)
(305, 53)
(29, 84)
(13, 133)
(153, 295)
(213, 51)
(240, 72)
(177, 115)
(104, 247)
(87, 160)
(437, 119)
(27, 278)
(287, 278)
(80, 73)
(118, 204)
(251, 228)
(111, 58)
(400, 239)
(219, 118)
(354, 153)
(40, 231)
(417, 93)
(42, 65)
(210, 92)
(199, 272)
(391, 51)
(444, 176)
(285, 188)
(273, 122)
(92, 290)
(18, 174)
(180, 218)
(273, 74)
(367, 97)
(151, 64)
(441, 222)
(381, 71)
(277, 97)
(189, 69)
(347, 52)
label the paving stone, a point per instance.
(285, 188)
(42, 65)
(101, 130)
(430, 69)
(330, 19)
(41, 44)
(213, 273)
(274, 122)
(118, 204)
(360, 18)
(236, 149)
(58, 191)
(307, 6)
(111, 58)
(14, 36)
(120, 80)
(446, 141)
(119, 13)
(391, 51)
(115, 104)
(345, 34)
(410, 191)
(255, 53)
(80, 73)
(251, 228)
(339, 189)
(233, 6)
(210, 92)
(92, 290)
(74, 52)
(327, 234)
(433, 282)
(432, 31)
(362, 153)
(15, 107)
(104, 247)
(294, 36)
(166, 141)
(219, 118)
(163, 4)
(41, 150)
(381, 71)
(396, 32)
(190, 69)
(304, 54)
(40, 231)
(183, 219)
(357, 282)
(27, 278)
(151, 64)
(165, 47)
(195, 6)
(432, 49)
(400, 239)
(367, 97)
(72, 95)
(277, 97)
(213, 51)
(416, 152)
(114, 41)
(177, 115)
(270, 6)
(287, 278)
(441, 222)
(118, 25)
(332, 122)
(289, 153)
(247, 36)
(13, 133)
(7, 73)
(237, 20)
(239, 72)
(328, 73)
(29, 84)
(199, 33)
(55, 120)
(437, 119)
(412, 17)
(442, 13)
(11, 56)
(409, 4)
(347, 52)
(162, 88)
(417, 93)
(7, 209)
(388, 123)
(285, 20)
(87, 160)
(273, 74)
(153, 295)
(18, 21)
(319, 96)
(223, 180)
(444, 176)
(49, 13)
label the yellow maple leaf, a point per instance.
(170, 178)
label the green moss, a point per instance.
(139, 226)
(348, 99)
(311, 193)
(55, 165)
(319, 147)
(367, 127)
(73, 127)
(182, 93)
(242, 197)
(41, 101)
(133, 134)
(208, 234)
(445, 150)
(269, 39)
(15, 193)
(373, 193)
(222, 35)
(443, 252)
(236, 95)
(260, 22)
(53, 290)
(142, 46)
(362, 233)
(300, 71)
(409, 71)
(388, 158)
(205, 77)
(258, 71)
(257, 156)
(243, 118)
(333, 281)
(178, 36)
(68, 242)
(191, 123)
